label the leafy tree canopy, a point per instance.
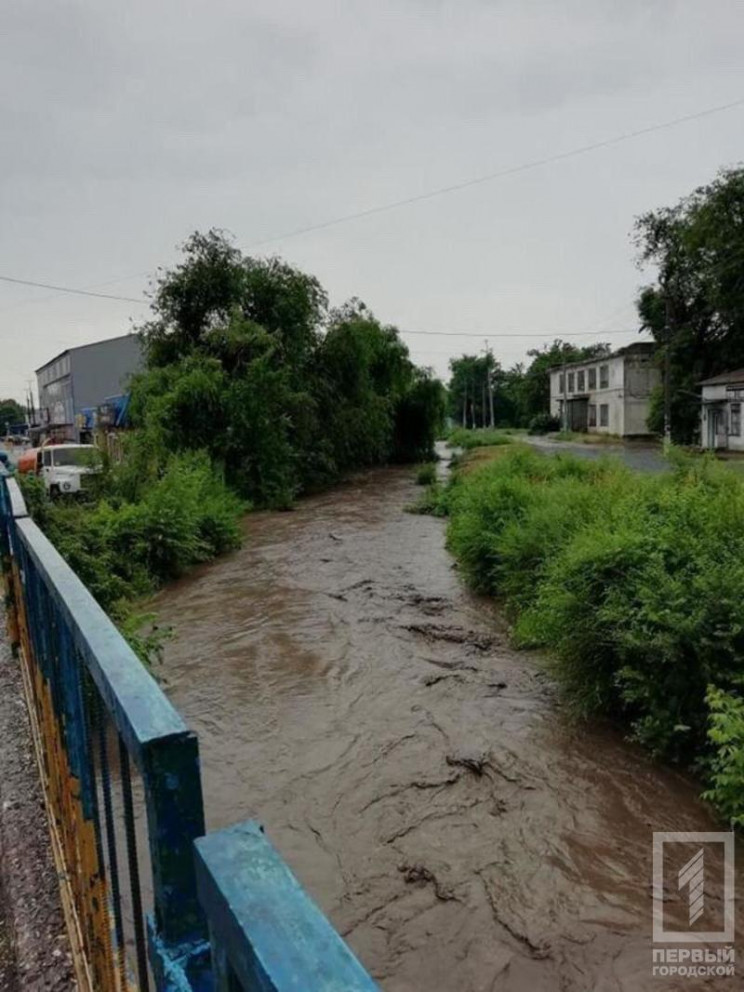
(11, 412)
(245, 360)
(696, 303)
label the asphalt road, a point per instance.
(639, 456)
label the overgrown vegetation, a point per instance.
(426, 474)
(252, 393)
(245, 362)
(544, 423)
(125, 545)
(634, 583)
(695, 307)
(461, 437)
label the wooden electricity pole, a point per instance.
(668, 370)
(489, 379)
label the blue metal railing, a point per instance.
(98, 720)
(266, 932)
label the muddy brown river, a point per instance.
(415, 771)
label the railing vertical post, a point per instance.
(224, 979)
(175, 814)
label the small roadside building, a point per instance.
(607, 395)
(720, 415)
(81, 378)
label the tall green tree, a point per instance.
(245, 361)
(695, 306)
(472, 390)
(11, 412)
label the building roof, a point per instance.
(635, 348)
(724, 378)
(79, 347)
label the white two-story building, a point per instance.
(606, 395)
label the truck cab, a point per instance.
(67, 468)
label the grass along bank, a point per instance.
(634, 584)
(480, 437)
(135, 536)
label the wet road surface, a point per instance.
(637, 455)
(412, 768)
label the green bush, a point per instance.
(481, 437)
(544, 423)
(726, 733)
(432, 502)
(124, 549)
(426, 474)
(634, 583)
(245, 361)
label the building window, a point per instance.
(604, 415)
(562, 382)
(592, 415)
(604, 376)
(570, 382)
(581, 384)
(735, 419)
(592, 378)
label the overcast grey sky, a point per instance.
(126, 126)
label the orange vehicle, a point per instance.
(29, 461)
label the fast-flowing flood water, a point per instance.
(412, 768)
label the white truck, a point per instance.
(66, 469)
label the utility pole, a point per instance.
(668, 371)
(489, 379)
(564, 405)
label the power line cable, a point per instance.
(431, 194)
(519, 334)
(500, 174)
(69, 289)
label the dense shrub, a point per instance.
(251, 390)
(544, 423)
(123, 549)
(481, 437)
(245, 361)
(635, 583)
(426, 474)
(727, 764)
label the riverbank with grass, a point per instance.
(634, 584)
(479, 437)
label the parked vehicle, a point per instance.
(65, 468)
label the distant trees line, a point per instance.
(483, 394)
(694, 309)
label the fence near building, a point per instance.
(150, 901)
